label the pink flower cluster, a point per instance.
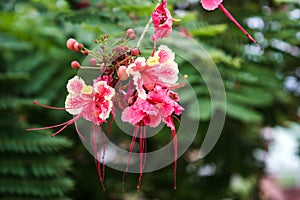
(152, 79)
(153, 103)
(138, 86)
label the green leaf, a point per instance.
(209, 30)
(243, 113)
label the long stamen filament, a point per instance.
(57, 108)
(226, 12)
(136, 129)
(48, 127)
(46, 106)
(65, 124)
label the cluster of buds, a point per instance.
(73, 45)
(120, 54)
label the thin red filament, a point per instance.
(226, 12)
(95, 131)
(142, 151)
(104, 145)
(136, 129)
(174, 136)
(46, 106)
(62, 125)
(56, 108)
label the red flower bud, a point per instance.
(70, 44)
(75, 65)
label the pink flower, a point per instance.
(156, 108)
(211, 4)
(92, 103)
(158, 69)
(162, 21)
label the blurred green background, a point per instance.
(262, 88)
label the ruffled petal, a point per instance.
(75, 85)
(73, 105)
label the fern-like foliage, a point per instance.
(32, 165)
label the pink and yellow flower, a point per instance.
(93, 103)
(158, 69)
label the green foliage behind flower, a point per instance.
(35, 65)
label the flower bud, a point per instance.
(76, 46)
(70, 44)
(122, 73)
(135, 52)
(86, 52)
(132, 36)
(75, 65)
(93, 61)
(129, 32)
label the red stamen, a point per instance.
(94, 131)
(64, 125)
(177, 119)
(141, 154)
(130, 154)
(78, 132)
(174, 136)
(104, 145)
(56, 108)
(144, 146)
(110, 124)
(226, 12)
(46, 106)
(49, 127)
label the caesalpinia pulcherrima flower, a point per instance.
(157, 69)
(162, 21)
(93, 103)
